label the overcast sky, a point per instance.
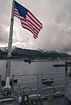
(55, 15)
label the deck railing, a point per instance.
(22, 84)
(44, 84)
(52, 85)
(0, 83)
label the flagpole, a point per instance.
(8, 66)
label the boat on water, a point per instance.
(28, 60)
(48, 82)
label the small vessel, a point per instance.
(27, 60)
(48, 82)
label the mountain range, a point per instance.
(32, 53)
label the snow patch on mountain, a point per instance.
(5, 49)
(47, 51)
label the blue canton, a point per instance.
(22, 10)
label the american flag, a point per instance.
(28, 20)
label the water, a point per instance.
(21, 67)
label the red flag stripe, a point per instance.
(32, 24)
(28, 20)
(29, 30)
(24, 23)
(34, 27)
(16, 11)
(31, 19)
(35, 18)
(16, 14)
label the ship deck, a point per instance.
(56, 101)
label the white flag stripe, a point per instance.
(35, 23)
(32, 22)
(28, 29)
(33, 31)
(17, 16)
(33, 26)
(29, 22)
(23, 22)
(15, 11)
(34, 19)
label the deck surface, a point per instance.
(57, 101)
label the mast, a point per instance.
(8, 66)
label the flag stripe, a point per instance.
(34, 35)
(33, 27)
(28, 20)
(32, 19)
(33, 31)
(35, 18)
(25, 23)
(30, 23)
(33, 22)
(26, 27)
(17, 15)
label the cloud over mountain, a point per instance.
(55, 16)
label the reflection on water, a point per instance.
(21, 67)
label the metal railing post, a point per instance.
(65, 82)
(37, 85)
(13, 81)
(41, 85)
(0, 83)
(66, 75)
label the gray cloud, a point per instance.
(55, 16)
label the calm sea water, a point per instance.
(21, 67)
